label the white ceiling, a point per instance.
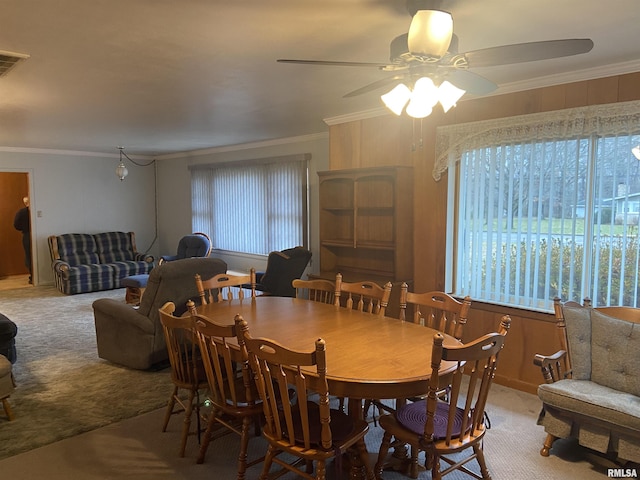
(164, 76)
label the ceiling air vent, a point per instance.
(8, 60)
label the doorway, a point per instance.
(14, 273)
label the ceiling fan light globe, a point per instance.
(397, 98)
(448, 95)
(417, 109)
(430, 33)
(425, 92)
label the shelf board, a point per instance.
(377, 210)
(338, 209)
(336, 242)
(339, 243)
(356, 275)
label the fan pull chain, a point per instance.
(420, 142)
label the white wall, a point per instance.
(78, 192)
(174, 187)
(75, 192)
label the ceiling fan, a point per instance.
(427, 59)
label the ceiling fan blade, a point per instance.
(471, 82)
(373, 86)
(332, 63)
(527, 52)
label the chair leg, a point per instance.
(170, 405)
(477, 449)
(244, 447)
(382, 455)
(186, 427)
(548, 443)
(321, 470)
(361, 448)
(207, 437)
(7, 408)
(268, 460)
(413, 466)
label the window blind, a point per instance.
(252, 207)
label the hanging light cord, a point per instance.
(155, 192)
(122, 152)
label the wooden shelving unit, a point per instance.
(366, 224)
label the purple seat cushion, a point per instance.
(341, 425)
(413, 416)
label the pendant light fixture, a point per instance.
(121, 169)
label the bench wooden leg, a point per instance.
(7, 408)
(548, 443)
(133, 295)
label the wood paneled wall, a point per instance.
(391, 140)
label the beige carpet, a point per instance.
(63, 388)
(136, 449)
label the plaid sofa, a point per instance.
(85, 262)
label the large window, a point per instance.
(546, 205)
(252, 207)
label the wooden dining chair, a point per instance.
(437, 310)
(364, 296)
(225, 286)
(310, 432)
(319, 290)
(187, 372)
(231, 388)
(441, 427)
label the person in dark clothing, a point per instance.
(22, 223)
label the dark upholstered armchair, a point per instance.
(189, 246)
(195, 245)
(133, 337)
(282, 268)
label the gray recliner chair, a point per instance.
(132, 336)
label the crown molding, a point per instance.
(69, 153)
(51, 151)
(623, 68)
(246, 146)
(187, 153)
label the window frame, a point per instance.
(452, 141)
(251, 165)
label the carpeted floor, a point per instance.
(63, 388)
(136, 449)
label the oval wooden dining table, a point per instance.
(368, 356)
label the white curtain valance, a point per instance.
(610, 119)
